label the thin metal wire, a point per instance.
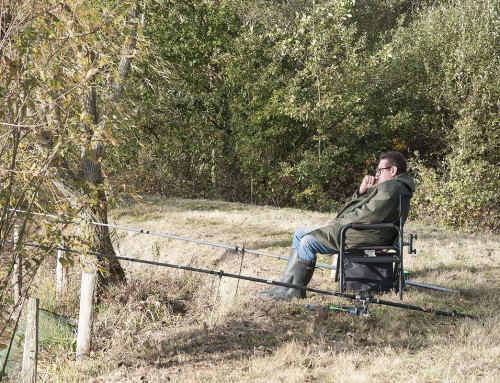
(170, 236)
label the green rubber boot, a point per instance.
(304, 271)
(286, 278)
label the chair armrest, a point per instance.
(369, 226)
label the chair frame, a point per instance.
(394, 251)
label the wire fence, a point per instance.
(238, 249)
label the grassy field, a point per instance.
(169, 325)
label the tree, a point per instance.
(65, 66)
(290, 102)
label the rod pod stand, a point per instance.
(363, 310)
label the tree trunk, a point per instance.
(98, 236)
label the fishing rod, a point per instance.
(228, 247)
(364, 299)
(363, 309)
(170, 236)
(431, 287)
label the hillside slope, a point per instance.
(180, 326)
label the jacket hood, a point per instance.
(407, 180)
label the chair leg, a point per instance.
(341, 268)
(401, 281)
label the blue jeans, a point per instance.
(307, 245)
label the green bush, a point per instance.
(290, 103)
(446, 62)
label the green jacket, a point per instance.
(378, 205)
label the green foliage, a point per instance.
(286, 102)
(290, 103)
(182, 103)
(242, 88)
(451, 52)
(53, 54)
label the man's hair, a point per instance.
(395, 159)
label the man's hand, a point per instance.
(368, 183)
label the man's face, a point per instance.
(385, 171)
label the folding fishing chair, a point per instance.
(375, 268)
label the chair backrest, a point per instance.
(404, 207)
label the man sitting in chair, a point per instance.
(376, 201)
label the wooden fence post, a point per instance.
(17, 270)
(61, 272)
(88, 287)
(30, 353)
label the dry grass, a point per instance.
(163, 325)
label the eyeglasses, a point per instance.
(378, 170)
